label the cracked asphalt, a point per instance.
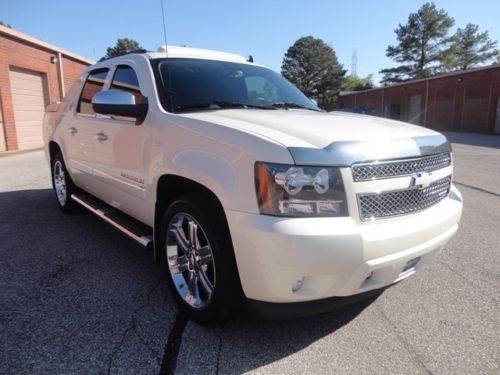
(78, 297)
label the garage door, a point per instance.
(28, 97)
(2, 133)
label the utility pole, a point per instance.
(354, 63)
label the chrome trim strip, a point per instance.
(346, 153)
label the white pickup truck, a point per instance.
(249, 194)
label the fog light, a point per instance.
(411, 263)
(298, 284)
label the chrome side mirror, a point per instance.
(120, 103)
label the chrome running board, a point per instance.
(132, 228)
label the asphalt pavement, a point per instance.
(76, 296)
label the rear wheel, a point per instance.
(199, 260)
(63, 185)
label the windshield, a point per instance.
(193, 84)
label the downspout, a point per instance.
(61, 75)
(426, 103)
(382, 111)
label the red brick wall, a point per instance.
(71, 70)
(462, 102)
(18, 53)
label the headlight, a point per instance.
(289, 190)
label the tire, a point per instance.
(63, 186)
(198, 260)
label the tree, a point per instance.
(355, 83)
(424, 45)
(313, 67)
(472, 48)
(122, 46)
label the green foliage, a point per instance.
(471, 48)
(424, 44)
(313, 67)
(355, 83)
(123, 45)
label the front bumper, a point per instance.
(336, 257)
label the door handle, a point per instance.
(101, 137)
(73, 130)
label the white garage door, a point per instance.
(28, 97)
(2, 133)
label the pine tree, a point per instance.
(313, 67)
(472, 48)
(122, 46)
(424, 44)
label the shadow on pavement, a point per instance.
(267, 341)
(75, 295)
(474, 139)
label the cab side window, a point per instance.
(125, 79)
(93, 84)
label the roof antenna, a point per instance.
(164, 28)
(250, 59)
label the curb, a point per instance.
(18, 152)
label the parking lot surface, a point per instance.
(78, 297)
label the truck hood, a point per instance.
(311, 136)
(303, 128)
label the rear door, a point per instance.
(81, 131)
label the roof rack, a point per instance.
(140, 50)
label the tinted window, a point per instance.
(93, 84)
(190, 84)
(125, 79)
(262, 89)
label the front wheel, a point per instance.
(199, 260)
(63, 185)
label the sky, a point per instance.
(264, 29)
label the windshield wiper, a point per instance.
(287, 105)
(219, 104)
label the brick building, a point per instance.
(467, 101)
(33, 74)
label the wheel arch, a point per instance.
(54, 149)
(171, 187)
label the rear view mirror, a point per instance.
(120, 103)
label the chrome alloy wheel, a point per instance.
(60, 182)
(190, 260)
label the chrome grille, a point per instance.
(379, 170)
(402, 202)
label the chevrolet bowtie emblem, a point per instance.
(421, 180)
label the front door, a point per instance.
(120, 151)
